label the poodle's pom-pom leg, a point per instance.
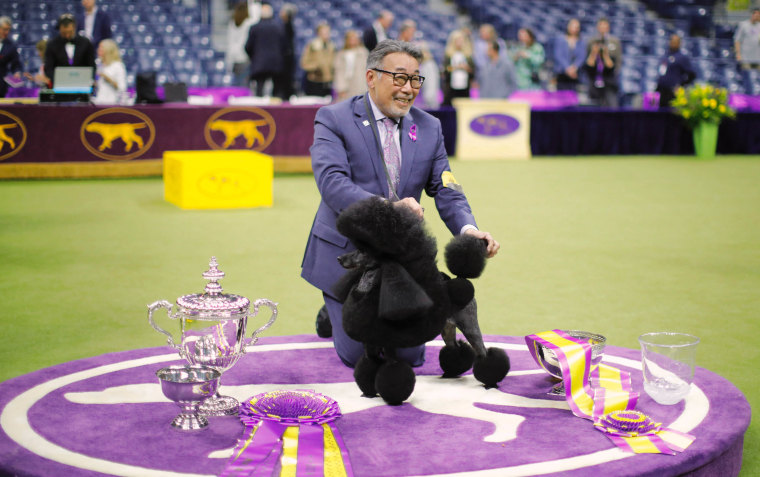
(456, 359)
(365, 372)
(491, 368)
(395, 382)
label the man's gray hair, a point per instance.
(5, 20)
(386, 47)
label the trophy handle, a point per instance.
(151, 309)
(256, 304)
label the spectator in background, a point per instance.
(9, 58)
(407, 31)
(378, 31)
(747, 41)
(429, 70)
(112, 74)
(285, 85)
(351, 67)
(486, 35)
(317, 61)
(675, 70)
(497, 77)
(600, 67)
(265, 47)
(68, 48)
(236, 58)
(569, 56)
(609, 45)
(458, 67)
(39, 78)
(528, 58)
(95, 24)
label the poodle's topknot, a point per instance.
(378, 227)
(466, 256)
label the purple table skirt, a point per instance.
(106, 415)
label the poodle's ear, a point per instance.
(401, 297)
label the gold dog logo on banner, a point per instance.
(12, 135)
(240, 128)
(118, 134)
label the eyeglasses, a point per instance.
(400, 79)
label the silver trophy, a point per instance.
(189, 386)
(212, 330)
(551, 363)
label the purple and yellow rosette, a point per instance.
(604, 395)
(289, 433)
(636, 432)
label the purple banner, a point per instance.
(84, 133)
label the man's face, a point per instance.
(394, 101)
(386, 20)
(675, 42)
(88, 4)
(68, 32)
(408, 34)
(755, 16)
(603, 27)
(4, 31)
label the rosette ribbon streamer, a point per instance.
(604, 395)
(289, 433)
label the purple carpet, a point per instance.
(106, 415)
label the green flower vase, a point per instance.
(705, 140)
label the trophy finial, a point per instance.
(213, 275)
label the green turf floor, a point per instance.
(618, 246)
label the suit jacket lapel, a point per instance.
(365, 124)
(408, 149)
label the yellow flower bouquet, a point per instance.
(702, 102)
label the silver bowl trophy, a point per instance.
(551, 363)
(212, 329)
(189, 386)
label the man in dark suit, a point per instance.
(378, 31)
(358, 145)
(675, 70)
(9, 58)
(266, 48)
(94, 23)
(68, 48)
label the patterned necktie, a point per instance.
(391, 156)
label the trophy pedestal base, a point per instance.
(189, 422)
(220, 406)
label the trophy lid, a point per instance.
(213, 303)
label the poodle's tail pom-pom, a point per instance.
(455, 360)
(395, 382)
(466, 256)
(491, 368)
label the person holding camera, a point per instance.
(603, 60)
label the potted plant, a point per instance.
(703, 106)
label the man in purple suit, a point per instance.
(378, 144)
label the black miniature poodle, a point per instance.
(394, 296)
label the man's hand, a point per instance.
(412, 204)
(492, 246)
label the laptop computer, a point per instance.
(73, 79)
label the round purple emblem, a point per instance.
(494, 125)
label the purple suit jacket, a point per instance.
(348, 167)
